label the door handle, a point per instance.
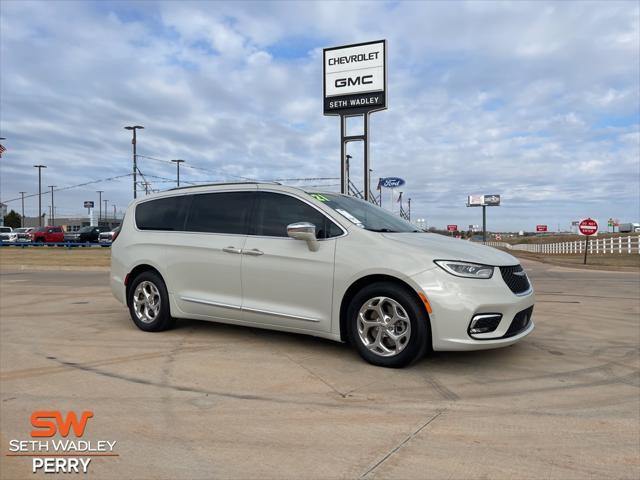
(254, 251)
(232, 250)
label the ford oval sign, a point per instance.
(391, 182)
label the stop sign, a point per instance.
(588, 226)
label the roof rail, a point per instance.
(224, 183)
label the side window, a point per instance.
(224, 212)
(274, 211)
(162, 214)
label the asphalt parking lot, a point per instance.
(214, 401)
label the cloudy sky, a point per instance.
(539, 102)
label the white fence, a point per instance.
(621, 245)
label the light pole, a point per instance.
(135, 165)
(53, 212)
(114, 211)
(99, 192)
(22, 218)
(39, 167)
(106, 214)
(347, 161)
(178, 162)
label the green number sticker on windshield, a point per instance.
(319, 197)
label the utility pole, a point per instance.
(484, 223)
(178, 162)
(39, 167)
(99, 192)
(135, 164)
(347, 161)
(409, 210)
(53, 211)
(22, 218)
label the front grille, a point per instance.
(520, 322)
(515, 278)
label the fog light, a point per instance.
(484, 323)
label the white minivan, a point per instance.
(324, 264)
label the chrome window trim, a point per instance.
(345, 232)
(303, 200)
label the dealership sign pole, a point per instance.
(483, 201)
(587, 227)
(355, 85)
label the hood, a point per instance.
(439, 247)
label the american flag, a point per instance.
(2, 150)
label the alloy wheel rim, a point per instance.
(383, 326)
(146, 302)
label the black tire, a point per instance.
(162, 320)
(420, 334)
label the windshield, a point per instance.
(364, 214)
(85, 229)
(5, 229)
(21, 230)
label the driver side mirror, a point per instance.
(304, 231)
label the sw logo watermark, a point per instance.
(60, 455)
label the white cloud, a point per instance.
(537, 101)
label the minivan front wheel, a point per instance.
(149, 303)
(387, 325)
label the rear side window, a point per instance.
(274, 211)
(162, 214)
(224, 212)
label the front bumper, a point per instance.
(455, 301)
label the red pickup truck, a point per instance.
(47, 234)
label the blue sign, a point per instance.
(391, 182)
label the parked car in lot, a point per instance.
(7, 234)
(23, 234)
(108, 237)
(323, 264)
(87, 234)
(47, 234)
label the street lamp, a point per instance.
(135, 165)
(99, 192)
(22, 218)
(39, 167)
(106, 214)
(114, 211)
(178, 162)
(53, 212)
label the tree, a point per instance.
(12, 219)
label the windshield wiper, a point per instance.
(383, 230)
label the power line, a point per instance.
(188, 165)
(69, 187)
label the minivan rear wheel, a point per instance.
(388, 325)
(149, 303)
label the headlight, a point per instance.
(465, 269)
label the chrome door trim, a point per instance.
(247, 309)
(209, 302)
(276, 314)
